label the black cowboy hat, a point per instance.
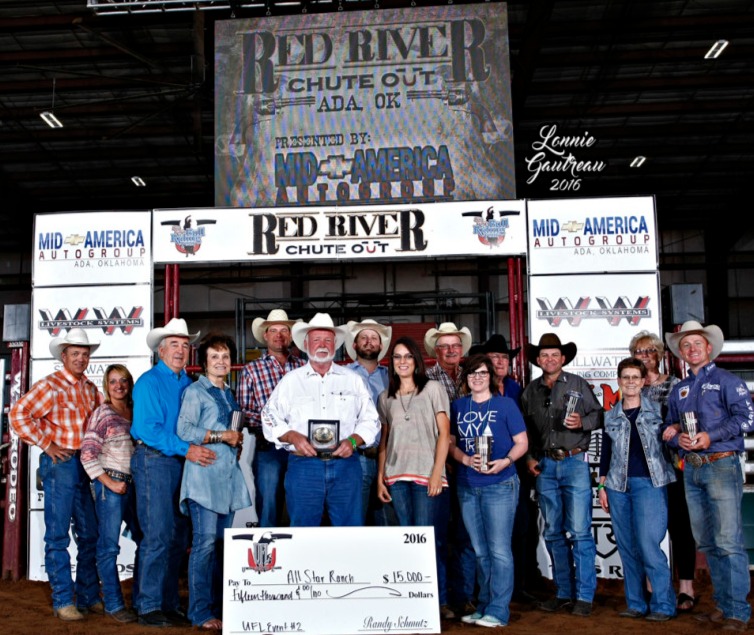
(498, 344)
(550, 340)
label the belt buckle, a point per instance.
(694, 459)
(557, 454)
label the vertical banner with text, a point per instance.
(593, 280)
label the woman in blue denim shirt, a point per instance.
(634, 474)
(212, 493)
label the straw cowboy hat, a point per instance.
(498, 344)
(175, 328)
(550, 340)
(74, 337)
(353, 329)
(446, 328)
(321, 321)
(713, 334)
(276, 316)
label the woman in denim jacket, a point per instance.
(634, 474)
(210, 494)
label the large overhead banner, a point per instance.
(364, 107)
(474, 228)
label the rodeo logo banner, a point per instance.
(374, 107)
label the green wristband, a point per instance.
(600, 486)
(353, 442)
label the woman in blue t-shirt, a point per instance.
(488, 490)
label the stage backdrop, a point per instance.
(364, 107)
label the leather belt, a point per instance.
(558, 454)
(697, 460)
(118, 476)
(325, 456)
(370, 453)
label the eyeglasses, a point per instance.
(631, 379)
(480, 374)
(445, 347)
(408, 357)
(645, 351)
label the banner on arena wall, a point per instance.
(592, 235)
(91, 248)
(474, 228)
(118, 317)
(364, 107)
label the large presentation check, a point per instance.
(330, 580)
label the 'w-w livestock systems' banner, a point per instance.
(473, 228)
(91, 270)
(593, 281)
(364, 107)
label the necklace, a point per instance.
(406, 416)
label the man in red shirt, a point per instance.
(52, 415)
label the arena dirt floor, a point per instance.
(25, 608)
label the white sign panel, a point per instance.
(592, 235)
(117, 317)
(92, 248)
(600, 314)
(476, 228)
(330, 580)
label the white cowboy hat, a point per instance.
(319, 321)
(74, 337)
(276, 316)
(446, 328)
(354, 328)
(713, 334)
(175, 328)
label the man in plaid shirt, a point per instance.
(53, 415)
(255, 386)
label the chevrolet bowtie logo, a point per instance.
(572, 226)
(74, 239)
(336, 166)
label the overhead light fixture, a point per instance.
(50, 119)
(138, 181)
(638, 161)
(716, 49)
(48, 116)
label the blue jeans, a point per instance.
(69, 498)
(157, 480)
(112, 509)
(461, 559)
(714, 493)
(313, 486)
(565, 499)
(269, 467)
(414, 508)
(206, 563)
(640, 520)
(488, 513)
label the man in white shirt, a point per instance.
(321, 413)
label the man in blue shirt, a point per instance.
(367, 343)
(712, 470)
(157, 466)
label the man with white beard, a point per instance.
(320, 413)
